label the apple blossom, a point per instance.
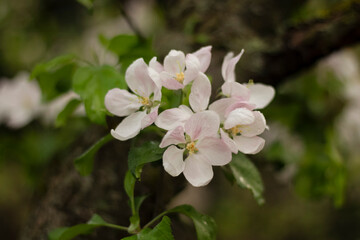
(198, 141)
(141, 108)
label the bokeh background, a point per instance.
(308, 50)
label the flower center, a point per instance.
(180, 77)
(191, 148)
(144, 101)
(235, 130)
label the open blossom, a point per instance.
(180, 70)
(140, 107)
(198, 141)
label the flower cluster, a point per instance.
(198, 136)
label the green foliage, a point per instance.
(205, 226)
(68, 233)
(247, 176)
(86, 3)
(54, 76)
(84, 163)
(129, 48)
(92, 83)
(146, 153)
(66, 113)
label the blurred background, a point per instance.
(307, 49)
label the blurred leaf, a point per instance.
(69, 233)
(54, 77)
(129, 48)
(67, 112)
(146, 153)
(87, 3)
(138, 201)
(205, 226)
(92, 84)
(84, 164)
(129, 185)
(247, 176)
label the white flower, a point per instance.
(198, 140)
(140, 108)
(20, 100)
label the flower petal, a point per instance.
(129, 127)
(150, 118)
(260, 94)
(214, 151)
(204, 56)
(228, 141)
(168, 81)
(238, 104)
(197, 171)
(200, 93)
(173, 161)
(121, 103)
(256, 128)
(221, 105)
(138, 79)
(173, 117)
(228, 66)
(174, 136)
(249, 145)
(202, 124)
(192, 68)
(239, 116)
(235, 89)
(154, 64)
(174, 62)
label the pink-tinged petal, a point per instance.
(261, 95)
(214, 151)
(228, 66)
(235, 89)
(138, 79)
(174, 62)
(197, 171)
(221, 105)
(121, 103)
(239, 116)
(154, 64)
(204, 56)
(155, 76)
(150, 118)
(173, 117)
(168, 81)
(157, 95)
(249, 145)
(228, 141)
(256, 128)
(129, 127)
(238, 104)
(173, 161)
(192, 68)
(200, 93)
(202, 124)
(174, 136)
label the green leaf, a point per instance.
(138, 201)
(66, 113)
(68, 233)
(162, 231)
(146, 153)
(92, 83)
(129, 185)
(123, 44)
(84, 164)
(205, 226)
(54, 77)
(87, 3)
(247, 176)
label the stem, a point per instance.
(181, 96)
(116, 226)
(155, 219)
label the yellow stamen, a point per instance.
(191, 148)
(144, 101)
(180, 77)
(235, 130)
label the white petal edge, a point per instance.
(228, 67)
(174, 62)
(214, 151)
(204, 56)
(200, 93)
(174, 136)
(138, 79)
(228, 141)
(255, 128)
(239, 116)
(261, 95)
(197, 171)
(235, 89)
(129, 127)
(202, 124)
(249, 145)
(173, 117)
(173, 161)
(121, 103)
